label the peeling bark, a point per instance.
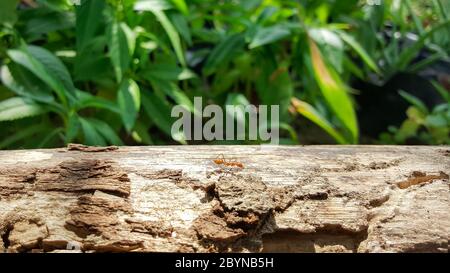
(177, 199)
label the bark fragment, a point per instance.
(92, 149)
(24, 235)
(417, 178)
(86, 175)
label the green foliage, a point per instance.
(422, 125)
(8, 12)
(17, 108)
(129, 101)
(334, 92)
(110, 71)
(121, 43)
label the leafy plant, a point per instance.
(422, 125)
(109, 71)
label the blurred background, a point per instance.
(108, 72)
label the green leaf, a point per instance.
(407, 129)
(106, 131)
(267, 35)
(331, 46)
(312, 114)
(276, 89)
(89, 20)
(8, 11)
(158, 110)
(353, 68)
(442, 8)
(416, 115)
(237, 99)
(181, 24)
(91, 136)
(226, 81)
(168, 72)
(292, 133)
(86, 100)
(334, 92)
(129, 101)
(91, 63)
(17, 108)
(157, 7)
(415, 18)
(93, 69)
(442, 91)
(224, 52)
(436, 121)
(54, 66)
(411, 52)
(58, 5)
(72, 128)
(141, 135)
(121, 43)
(41, 70)
(414, 101)
(23, 83)
(181, 6)
(172, 33)
(151, 5)
(42, 21)
(174, 92)
(442, 109)
(417, 67)
(359, 50)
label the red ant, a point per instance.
(221, 161)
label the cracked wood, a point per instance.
(177, 199)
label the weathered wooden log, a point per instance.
(225, 198)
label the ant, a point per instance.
(221, 161)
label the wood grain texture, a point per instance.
(177, 199)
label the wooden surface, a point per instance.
(176, 198)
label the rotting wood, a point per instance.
(90, 149)
(417, 178)
(177, 199)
